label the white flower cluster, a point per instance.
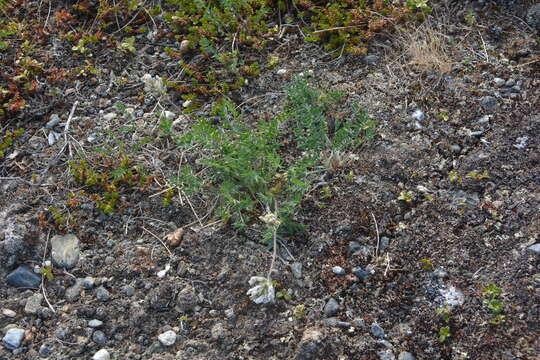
(154, 85)
(263, 291)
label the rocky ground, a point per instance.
(426, 248)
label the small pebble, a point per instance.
(338, 270)
(54, 120)
(377, 331)
(488, 102)
(102, 354)
(534, 249)
(46, 349)
(499, 82)
(361, 273)
(88, 283)
(109, 116)
(331, 308)
(129, 290)
(95, 323)
(510, 82)
(456, 149)
(296, 269)
(281, 71)
(418, 115)
(168, 338)
(405, 355)
(99, 337)
(102, 294)
(9, 313)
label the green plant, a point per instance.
(406, 196)
(243, 163)
(47, 272)
(7, 140)
(444, 333)
(427, 265)
(494, 303)
(299, 312)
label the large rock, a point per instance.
(23, 277)
(533, 16)
(65, 250)
(311, 346)
(13, 338)
(19, 236)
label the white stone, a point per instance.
(102, 354)
(168, 338)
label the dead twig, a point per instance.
(378, 239)
(43, 276)
(157, 237)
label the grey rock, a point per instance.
(510, 82)
(296, 269)
(65, 250)
(383, 244)
(335, 322)
(218, 331)
(370, 59)
(102, 294)
(53, 121)
(168, 338)
(499, 82)
(312, 344)
(405, 355)
(33, 304)
(377, 331)
(488, 102)
(109, 260)
(95, 323)
(331, 308)
(129, 290)
(88, 283)
(186, 300)
(354, 247)
(456, 149)
(9, 313)
(99, 337)
(102, 354)
(46, 349)
(109, 116)
(452, 296)
(418, 115)
(338, 270)
(359, 323)
(534, 249)
(13, 338)
(533, 16)
(61, 333)
(386, 355)
(23, 277)
(74, 291)
(440, 273)
(521, 142)
(360, 273)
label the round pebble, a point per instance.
(102, 354)
(168, 338)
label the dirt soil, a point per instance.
(434, 209)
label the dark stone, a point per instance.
(23, 277)
(377, 331)
(361, 273)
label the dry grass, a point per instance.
(425, 49)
